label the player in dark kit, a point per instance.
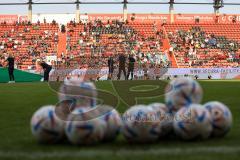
(10, 61)
(110, 67)
(47, 68)
(131, 61)
(122, 62)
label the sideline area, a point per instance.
(20, 76)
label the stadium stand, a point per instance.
(205, 45)
(28, 42)
(99, 40)
(90, 44)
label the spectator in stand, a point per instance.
(54, 22)
(234, 19)
(212, 41)
(44, 20)
(63, 29)
(171, 51)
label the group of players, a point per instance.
(122, 60)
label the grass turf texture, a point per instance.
(19, 101)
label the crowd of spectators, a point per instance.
(28, 42)
(95, 41)
(195, 48)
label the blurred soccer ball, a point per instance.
(78, 92)
(193, 122)
(113, 121)
(84, 127)
(221, 116)
(140, 125)
(183, 92)
(163, 117)
(46, 127)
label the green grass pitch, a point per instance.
(19, 101)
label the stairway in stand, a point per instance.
(62, 43)
(166, 47)
(172, 57)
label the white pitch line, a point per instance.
(132, 89)
(120, 153)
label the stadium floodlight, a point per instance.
(218, 4)
(171, 10)
(125, 2)
(30, 2)
(171, 1)
(77, 11)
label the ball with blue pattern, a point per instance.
(222, 118)
(80, 93)
(46, 127)
(140, 124)
(84, 127)
(164, 117)
(182, 92)
(193, 122)
(113, 121)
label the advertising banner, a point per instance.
(204, 73)
(22, 18)
(8, 18)
(165, 18)
(191, 18)
(155, 73)
(146, 18)
(228, 18)
(132, 17)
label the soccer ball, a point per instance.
(222, 118)
(84, 127)
(193, 122)
(79, 93)
(113, 121)
(46, 127)
(184, 91)
(163, 117)
(139, 124)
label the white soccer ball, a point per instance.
(84, 127)
(140, 125)
(113, 121)
(182, 92)
(193, 122)
(222, 118)
(46, 127)
(78, 92)
(163, 117)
